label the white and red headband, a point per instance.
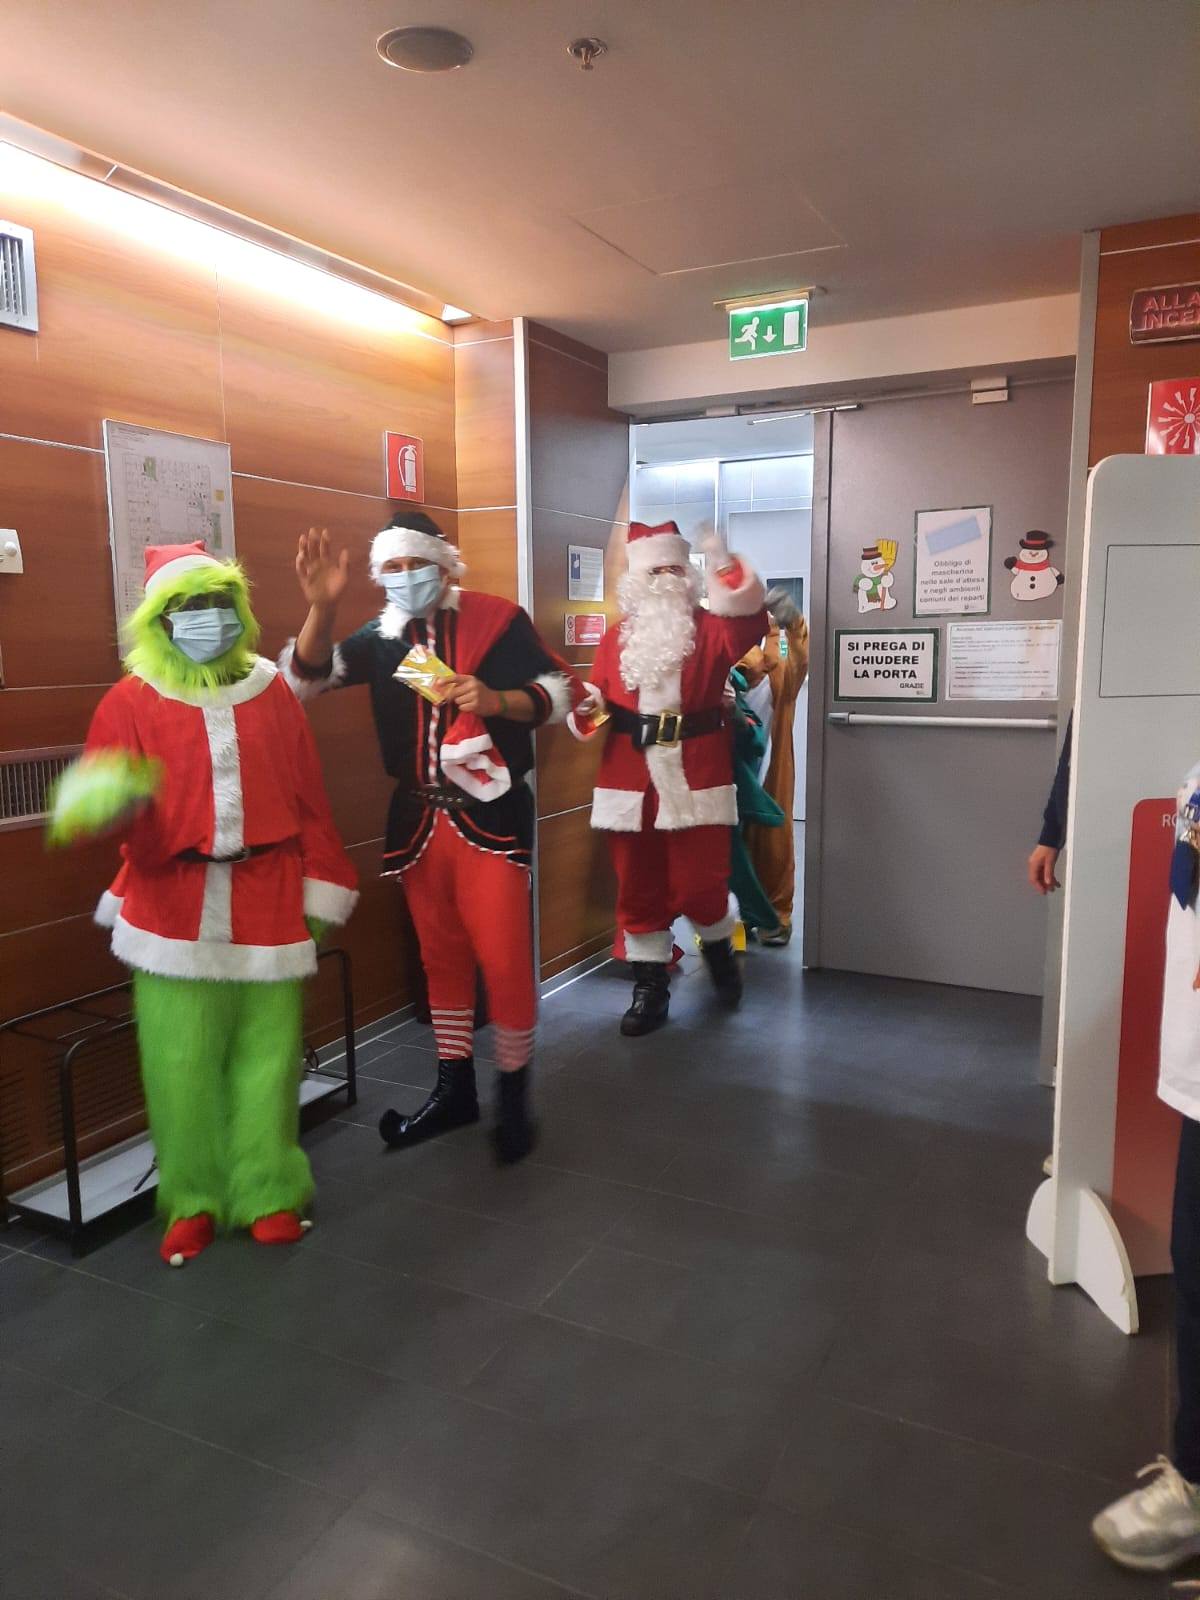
(390, 544)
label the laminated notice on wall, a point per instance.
(585, 572)
(886, 664)
(163, 488)
(1003, 660)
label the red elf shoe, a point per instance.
(186, 1238)
(281, 1227)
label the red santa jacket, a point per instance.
(694, 779)
(240, 771)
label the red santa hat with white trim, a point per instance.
(417, 536)
(166, 562)
(660, 546)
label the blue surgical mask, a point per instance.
(415, 592)
(205, 635)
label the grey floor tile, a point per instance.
(41, 1575)
(156, 1516)
(365, 1556)
(595, 1521)
(691, 1415)
(500, 1260)
(785, 1557)
(79, 1330)
(770, 1328)
(830, 1202)
(307, 1415)
(398, 1063)
(402, 1326)
(1017, 1521)
(622, 1152)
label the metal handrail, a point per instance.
(870, 719)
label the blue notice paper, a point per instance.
(965, 531)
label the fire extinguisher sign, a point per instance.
(404, 458)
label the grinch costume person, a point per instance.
(201, 759)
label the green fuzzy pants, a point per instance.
(221, 1069)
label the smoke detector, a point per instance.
(587, 51)
(424, 49)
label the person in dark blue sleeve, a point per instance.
(1054, 825)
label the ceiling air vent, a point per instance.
(26, 778)
(18, 286)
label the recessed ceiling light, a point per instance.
(424, 49)
(455, 314)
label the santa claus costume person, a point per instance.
(460, 827)
(665, 794)
(201, 759)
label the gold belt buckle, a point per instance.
(675, 718)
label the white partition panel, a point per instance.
(1137, 731)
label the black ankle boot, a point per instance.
(452, 1104)
(651, 999)
(515, 1133)
(724, 971)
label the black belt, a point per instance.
(665, 727)
(441, 798)
(246, 854)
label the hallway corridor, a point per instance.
(757, 1322)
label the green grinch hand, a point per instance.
(99, 794)
(317, 928)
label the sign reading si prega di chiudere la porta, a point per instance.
(1158, 316)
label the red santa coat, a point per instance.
(240, 770)
(693, 779)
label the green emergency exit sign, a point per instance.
(777, 329)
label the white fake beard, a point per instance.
(658, 630)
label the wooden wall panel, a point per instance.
(488, 540)
(579, 461)
(128, 329)
(1140, 256)
(34, 717)
(308, 394)
(57, 620)
(576, 890)
(485, 422)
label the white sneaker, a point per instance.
(1155, 1528)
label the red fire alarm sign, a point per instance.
(405, 460)
(585, 628)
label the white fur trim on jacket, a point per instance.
(309, 688)
(391, 543)
(259, 679)
(221, 962)
(681, 807)
(108, 909)
(617, 810)
(649, 946)
(558, 686)
(597, 703)
(719, 930)
(328, 902)
(744, 601)
(468, 763)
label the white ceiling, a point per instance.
(904, 156)
(723, 438)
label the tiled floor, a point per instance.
(757, 1323)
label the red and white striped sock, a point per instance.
(455, 1033)
(514, 1046)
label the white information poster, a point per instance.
(886, 664)
(585, 572)
(163, 488)
(1003, 660)
(954, 562)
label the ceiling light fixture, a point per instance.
(456, 314)
(586, 52)
(424, 49)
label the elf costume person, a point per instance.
(460, 826)
(231, 870)
(665, 793)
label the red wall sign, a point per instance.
(586, 628)
(1147, 1131)
(405, 459)
(1173, 418)
(1158, 316)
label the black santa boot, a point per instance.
(724, 971)
(515, 1133)
(452, 1104)
(651, 999)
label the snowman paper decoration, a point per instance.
(873, 585)
(1033, 576)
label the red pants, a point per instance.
(665, 873)
(471, 910)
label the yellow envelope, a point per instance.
(425, 672)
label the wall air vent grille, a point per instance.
(18, 283)
(26, 778)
